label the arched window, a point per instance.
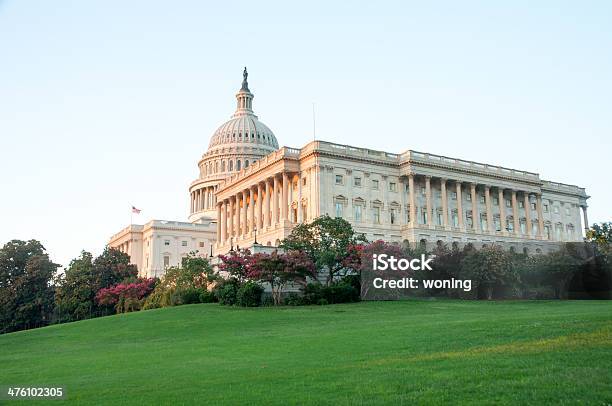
(238, 165)
(246, 163)
(231, 166)
(222, 166)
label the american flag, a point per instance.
(135, 210)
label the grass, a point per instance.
(425, 352)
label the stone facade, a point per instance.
(248, 190)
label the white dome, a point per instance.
(244, 128)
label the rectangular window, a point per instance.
(533, 206)
(166, 242)
(392, 216)
(523, 227)
(357, 182)
(547, 232)
(454, 195)
(508, 203)
(423, 190)
(376, 215)
(556, 209)
(358, 213)
(338, 179)
(468, 197)
(545, 206)
(482, 199)
(166, 261)
(497, 223)
(423, 216)
(455, 219)
(483, 223)
(439, 218)
(339, 209)
(521, 204)
(304, 181)
(184, 243)
(496, 201)
(374, 184)
(567, 211)
(392, 186)
(201, 244)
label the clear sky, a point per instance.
(108, 104)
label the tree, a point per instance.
(74, 296)
(491, 267)
(126, 297)
(601, 234)
(235, 264)
(327, 241)
(84, 278)
(557, 269)
(26, 293)
(269, 268)
(193, 277)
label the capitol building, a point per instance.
(248, 190)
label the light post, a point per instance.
(255, 231)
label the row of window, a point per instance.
(219, 166)
(183, 243)
(468, 197)
(469, 222)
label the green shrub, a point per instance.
(190, 295)
(267, 301)
(207, 296)
(293, 299)
(312, 293)
(322, 302)
(226, 292)
(340, 292)
(249, 294)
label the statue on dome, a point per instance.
(245, 75)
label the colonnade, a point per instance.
(260, 206)
(203, 199)
(489, 192)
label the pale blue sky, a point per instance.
(105, 104)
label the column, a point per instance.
(586, 219)
(502, 210)
(428, 200)
(268, 217)
(232, 206)
(238, 232)
(459, 205)
(412, 202)
(251, 210)
(275, 201)
(540, 216)
(444, 203)
(218, 223)
(191, 199)
(527, 213)
(475, 214)
(224, 222)
(284, 200)
(515, 214)
(244, 213)
(300, 214)
(260, 200)
(489, 206)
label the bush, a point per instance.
(190, 295)
(249, 294)
(340, 293)
(294, 299)
(312, 293)
(226, 292)
(322, 302)
(267, 301)
(207, 296)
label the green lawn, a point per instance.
(366, 353)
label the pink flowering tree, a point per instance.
(126, 297)
(280, 269)
(236, 264)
